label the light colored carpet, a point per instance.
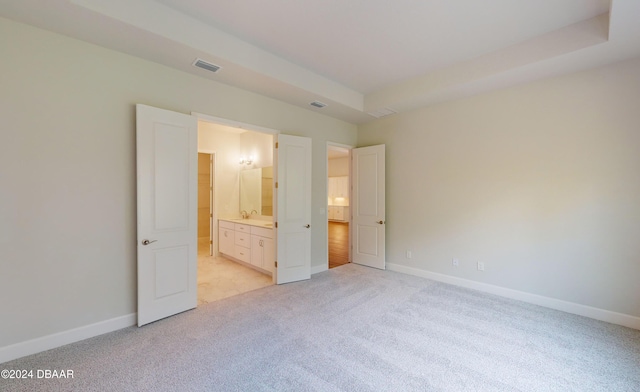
(352, 329)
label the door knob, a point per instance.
(380, 222)
(307, 226)
(147, 242)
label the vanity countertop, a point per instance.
(251, 222)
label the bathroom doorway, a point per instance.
(230, 151)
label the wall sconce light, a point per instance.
(246, 161)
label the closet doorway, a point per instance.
(205, 203)
(338, 205)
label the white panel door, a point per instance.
(167, 162)
(367, 201)
(293, 209)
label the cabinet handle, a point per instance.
(380, 222)
(307, 226)
(147, 242)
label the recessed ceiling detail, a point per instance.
(428, 52)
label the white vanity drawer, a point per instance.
(243, 239)
(262, 232)
(227, 225)
(243, 254)
(243, 228)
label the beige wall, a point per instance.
(259, 146)
(539, 182)
(338, 167)
(67, 153)
(226, 146)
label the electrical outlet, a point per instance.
(480, 266)
(455, 262)
(408, 254)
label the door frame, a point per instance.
(348, 147)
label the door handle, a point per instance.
(147, 242)
(380, 222)
(307, 226)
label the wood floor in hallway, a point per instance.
(338, 243)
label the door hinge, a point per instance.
(276, 144)
(210, 215)
(276, 224)
(276, 184)
(276, 264)
(210, 242)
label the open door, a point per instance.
(166, 144)
(293, 208)
(368, 227)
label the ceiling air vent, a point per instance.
(205, 65)
(382, 112)
(318, 104)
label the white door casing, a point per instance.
(293, 208)
(368, 204)
(166, 144)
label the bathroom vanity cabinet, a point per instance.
(247, 241)
(226, 237)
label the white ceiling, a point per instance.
(357, 56)
(367, 45)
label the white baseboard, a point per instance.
(565, 306)
(48, 342)
(319, 268)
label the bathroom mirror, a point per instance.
(256, 191)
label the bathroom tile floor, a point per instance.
(219, 278)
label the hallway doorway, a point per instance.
(338, 206)
(338, 243)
